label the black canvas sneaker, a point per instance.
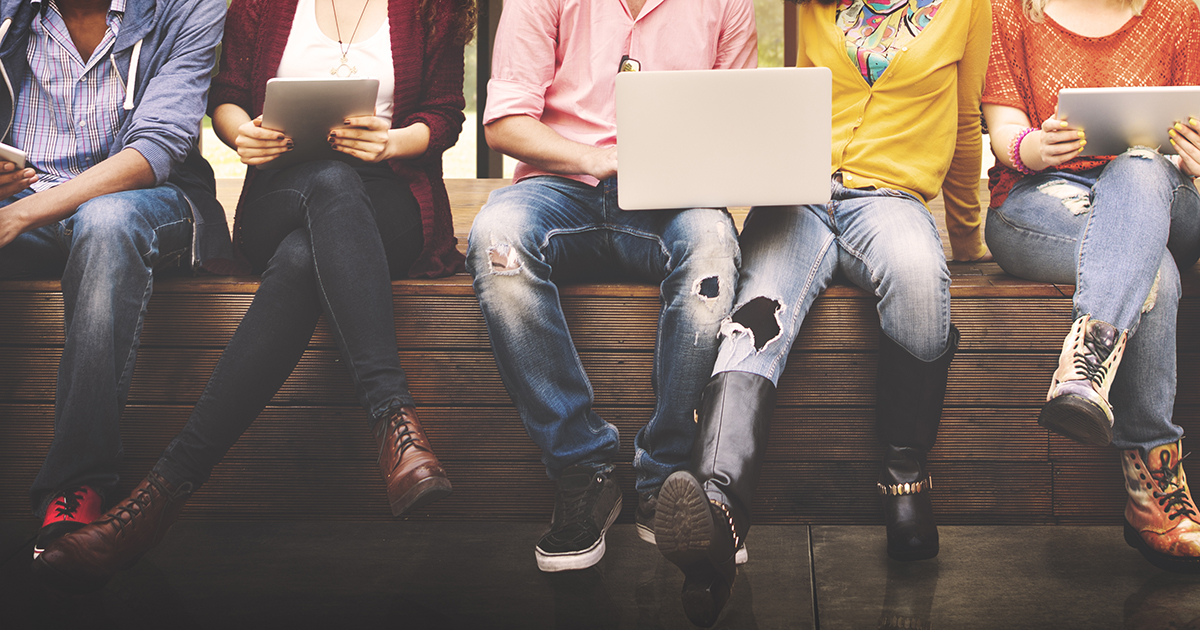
(586, 503)
(647, 501)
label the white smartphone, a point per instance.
(12, 154)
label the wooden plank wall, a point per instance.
(310, 455)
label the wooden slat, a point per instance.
(619, 379)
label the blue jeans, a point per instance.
(1120, 233)
(884, 241)
(547, 229)
(324, 234)
(106, 253)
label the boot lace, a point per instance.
(70, 503)
(1089, 362)
(576, 502)
(125, 512)
(403, 437)
(1168, 477)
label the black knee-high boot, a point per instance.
(703, 514)
(909, 400)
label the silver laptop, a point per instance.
(711, 138)
(1116, 119)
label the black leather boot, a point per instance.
(908, 411)
(704, 514)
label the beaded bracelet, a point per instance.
(1014, 151)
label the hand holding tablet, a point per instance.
(306, 111)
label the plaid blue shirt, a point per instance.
(68, 111)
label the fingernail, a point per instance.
(1179, 126)
(1171, 132)
(1080, 134)
(279, 137)
(1172, 141)
(1062, 123)
(1083, 143)
(346, 121)
(1192, 122)
(290, 143)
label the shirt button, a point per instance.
(82, 124)
(849, 177)
(904, 48)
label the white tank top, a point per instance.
(312, 53)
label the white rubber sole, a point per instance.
(576, 560)
(646, 534)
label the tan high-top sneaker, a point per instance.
(1160, 518)
(1077, 403)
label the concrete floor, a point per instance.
(482, 575)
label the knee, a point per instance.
(1142, 165)
(499, 242)
(111, 229)
(921, 274)
(329, 176)
(292, 261)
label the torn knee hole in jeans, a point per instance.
(758, 318)
(1152, 297)
(503, 258)
(1072, 197)
(1144, 153)
(708, 288)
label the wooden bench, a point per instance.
(310, 456)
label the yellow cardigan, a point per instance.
(921, 130)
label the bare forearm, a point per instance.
(127, 170)
(226, 119)
(407, 142)
(537, 145)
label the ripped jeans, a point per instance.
(549, 229)
(1120, 233)
(884, 241)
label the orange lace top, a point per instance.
(1030, 62)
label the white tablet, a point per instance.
(1116, 119)
(307, 109)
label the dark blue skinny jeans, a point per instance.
(327, 237)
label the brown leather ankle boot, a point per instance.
(87, 558)
(413, 473)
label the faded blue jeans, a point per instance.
(549, 229)
(106, 253)
(884, 241)
(1120, 233)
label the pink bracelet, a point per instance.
(1014, 151)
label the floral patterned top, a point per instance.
(876, 29)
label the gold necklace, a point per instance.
(344, 69)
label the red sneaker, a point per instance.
(70, 510)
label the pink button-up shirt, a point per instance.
(557, 60)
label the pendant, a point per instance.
(344, 69)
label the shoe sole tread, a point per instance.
(1076, 418)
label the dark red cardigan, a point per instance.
(429, 78)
